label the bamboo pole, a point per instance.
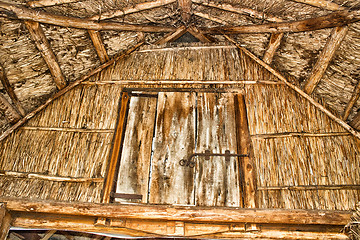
(327, 54)
(10, 91)
(42, 44)
(336, 19)
(274, 44)
(179, 82)
(23, 13)
(239, 10)
(99, 46)
(297, 89)
(66, 89)
(48, 177)
(9, 110)
(133, 9)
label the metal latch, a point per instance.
(207, 154)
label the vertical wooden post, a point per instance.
(116, 149)
(5, 220)
(244, 147)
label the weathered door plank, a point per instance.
(217, 180)
(174, 140)
(136, 153)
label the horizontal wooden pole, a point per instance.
(56, 129)
(47, 177)
(311, 187)
(298, 134)
(23, 13)
(336, 19)
(180, 213)
(178, 82)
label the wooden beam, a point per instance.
(324, 4)
(10, 91)
(48, 3)
(199, 35)
(99, 46)
(311, 187)
(39, 38)
(273, 45)
(244, 147)
(133, 9)
(296, 89)
(9, 110)
(5, 220)
(185, 7)
(238, 10)
(209, 17)
(336, 19)
(327, 54)
(180, 213)
(116, 148)
(172, 36)
(66, 89)
(23, 13)
(354, 97)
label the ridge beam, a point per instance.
(337, 35)
(10, 91)
(99, 46)
(42, 44)
(274, 44)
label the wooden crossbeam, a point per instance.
(180, 213)
(185, 7)
(273, 45)
(199, 35)
(23, 13)
(99, 46)
(354, 97)
(325, 4)
(133, 9)
(8, 110)
(66, 89)
(48, 3)
(336, 19)
(39, 38)
(337, 35)
(296, 89)
(10, 91)
(238, 10)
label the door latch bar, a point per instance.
(207, 154)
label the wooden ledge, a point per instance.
(179, 213)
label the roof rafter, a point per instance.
(337, 35)
(39, 38)
(273, 45)
(336, 19)
(65, 90)
(297, 89)
(48, 3)
(10, 91)
(354, 97)
(133, 9)
(181, 31)
(99, 46)
(325, 4)
(239, 10)
(23, 13)
(9, 110)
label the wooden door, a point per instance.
(161, 131)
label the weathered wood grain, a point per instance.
(174, 140)
(136, 153)
(273, 45)
(99, 46)
(217, 180)
(9, 110)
